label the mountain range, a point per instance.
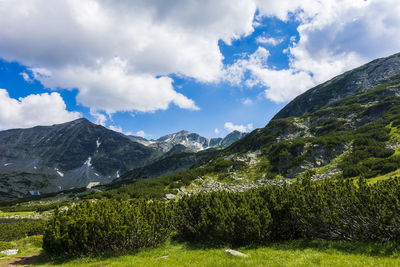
(345, 128)
(82, 154)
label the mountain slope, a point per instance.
(345, 128)
(67, 155)
(349, 83)
(79, 153)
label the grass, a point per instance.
(26, 246)
(290, 253)
(21, 214)
(384, 177)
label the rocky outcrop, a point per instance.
(355, 81)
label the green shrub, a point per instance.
(106, 226)
(329, 209)
(13, 229)
(222, 217)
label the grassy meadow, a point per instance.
(173, 253)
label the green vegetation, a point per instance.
(157, 188)
(107, 225)
(232, 218)
(292, 253)
(13, 229)
(329, 210)
(344, 217)
(288, 253)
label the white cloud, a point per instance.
(32, 110)
(235, 73)
(270, 40)
(118, 129)
(118, 54)
(141, 134)
(247, 101)
(111, 88)
(216, 131)
(26, 77)
(230, 127)
(100, 118)
(334, 36)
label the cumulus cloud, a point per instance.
(269, 40)
(230, 127)
(118, 54)
(141, 134)
(110, 88)
(26, 77)
(335, 36)
(32, 110)
(247, 101)
(100, 118)
(118, 129)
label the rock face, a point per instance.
(352, 82)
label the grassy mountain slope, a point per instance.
(344, 128)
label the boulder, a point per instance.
(9, 252)
(235, 253)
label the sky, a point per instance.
(155, 67)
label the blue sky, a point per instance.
(206, 72)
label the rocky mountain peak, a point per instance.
(349, 83)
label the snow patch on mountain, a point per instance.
(88, 162)
(98, 143)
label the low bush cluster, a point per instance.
(13, 229)
(234, 218)
(95, 227)
(329, 210)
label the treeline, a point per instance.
(330, 210)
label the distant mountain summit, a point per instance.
(64, 156)
(79, 153)
(191, 141)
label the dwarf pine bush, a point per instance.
(222, 217)
(107, 226)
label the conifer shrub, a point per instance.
(95, 227)
(343, 210)
(13, 229)
(223, 217)
(329, 210)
